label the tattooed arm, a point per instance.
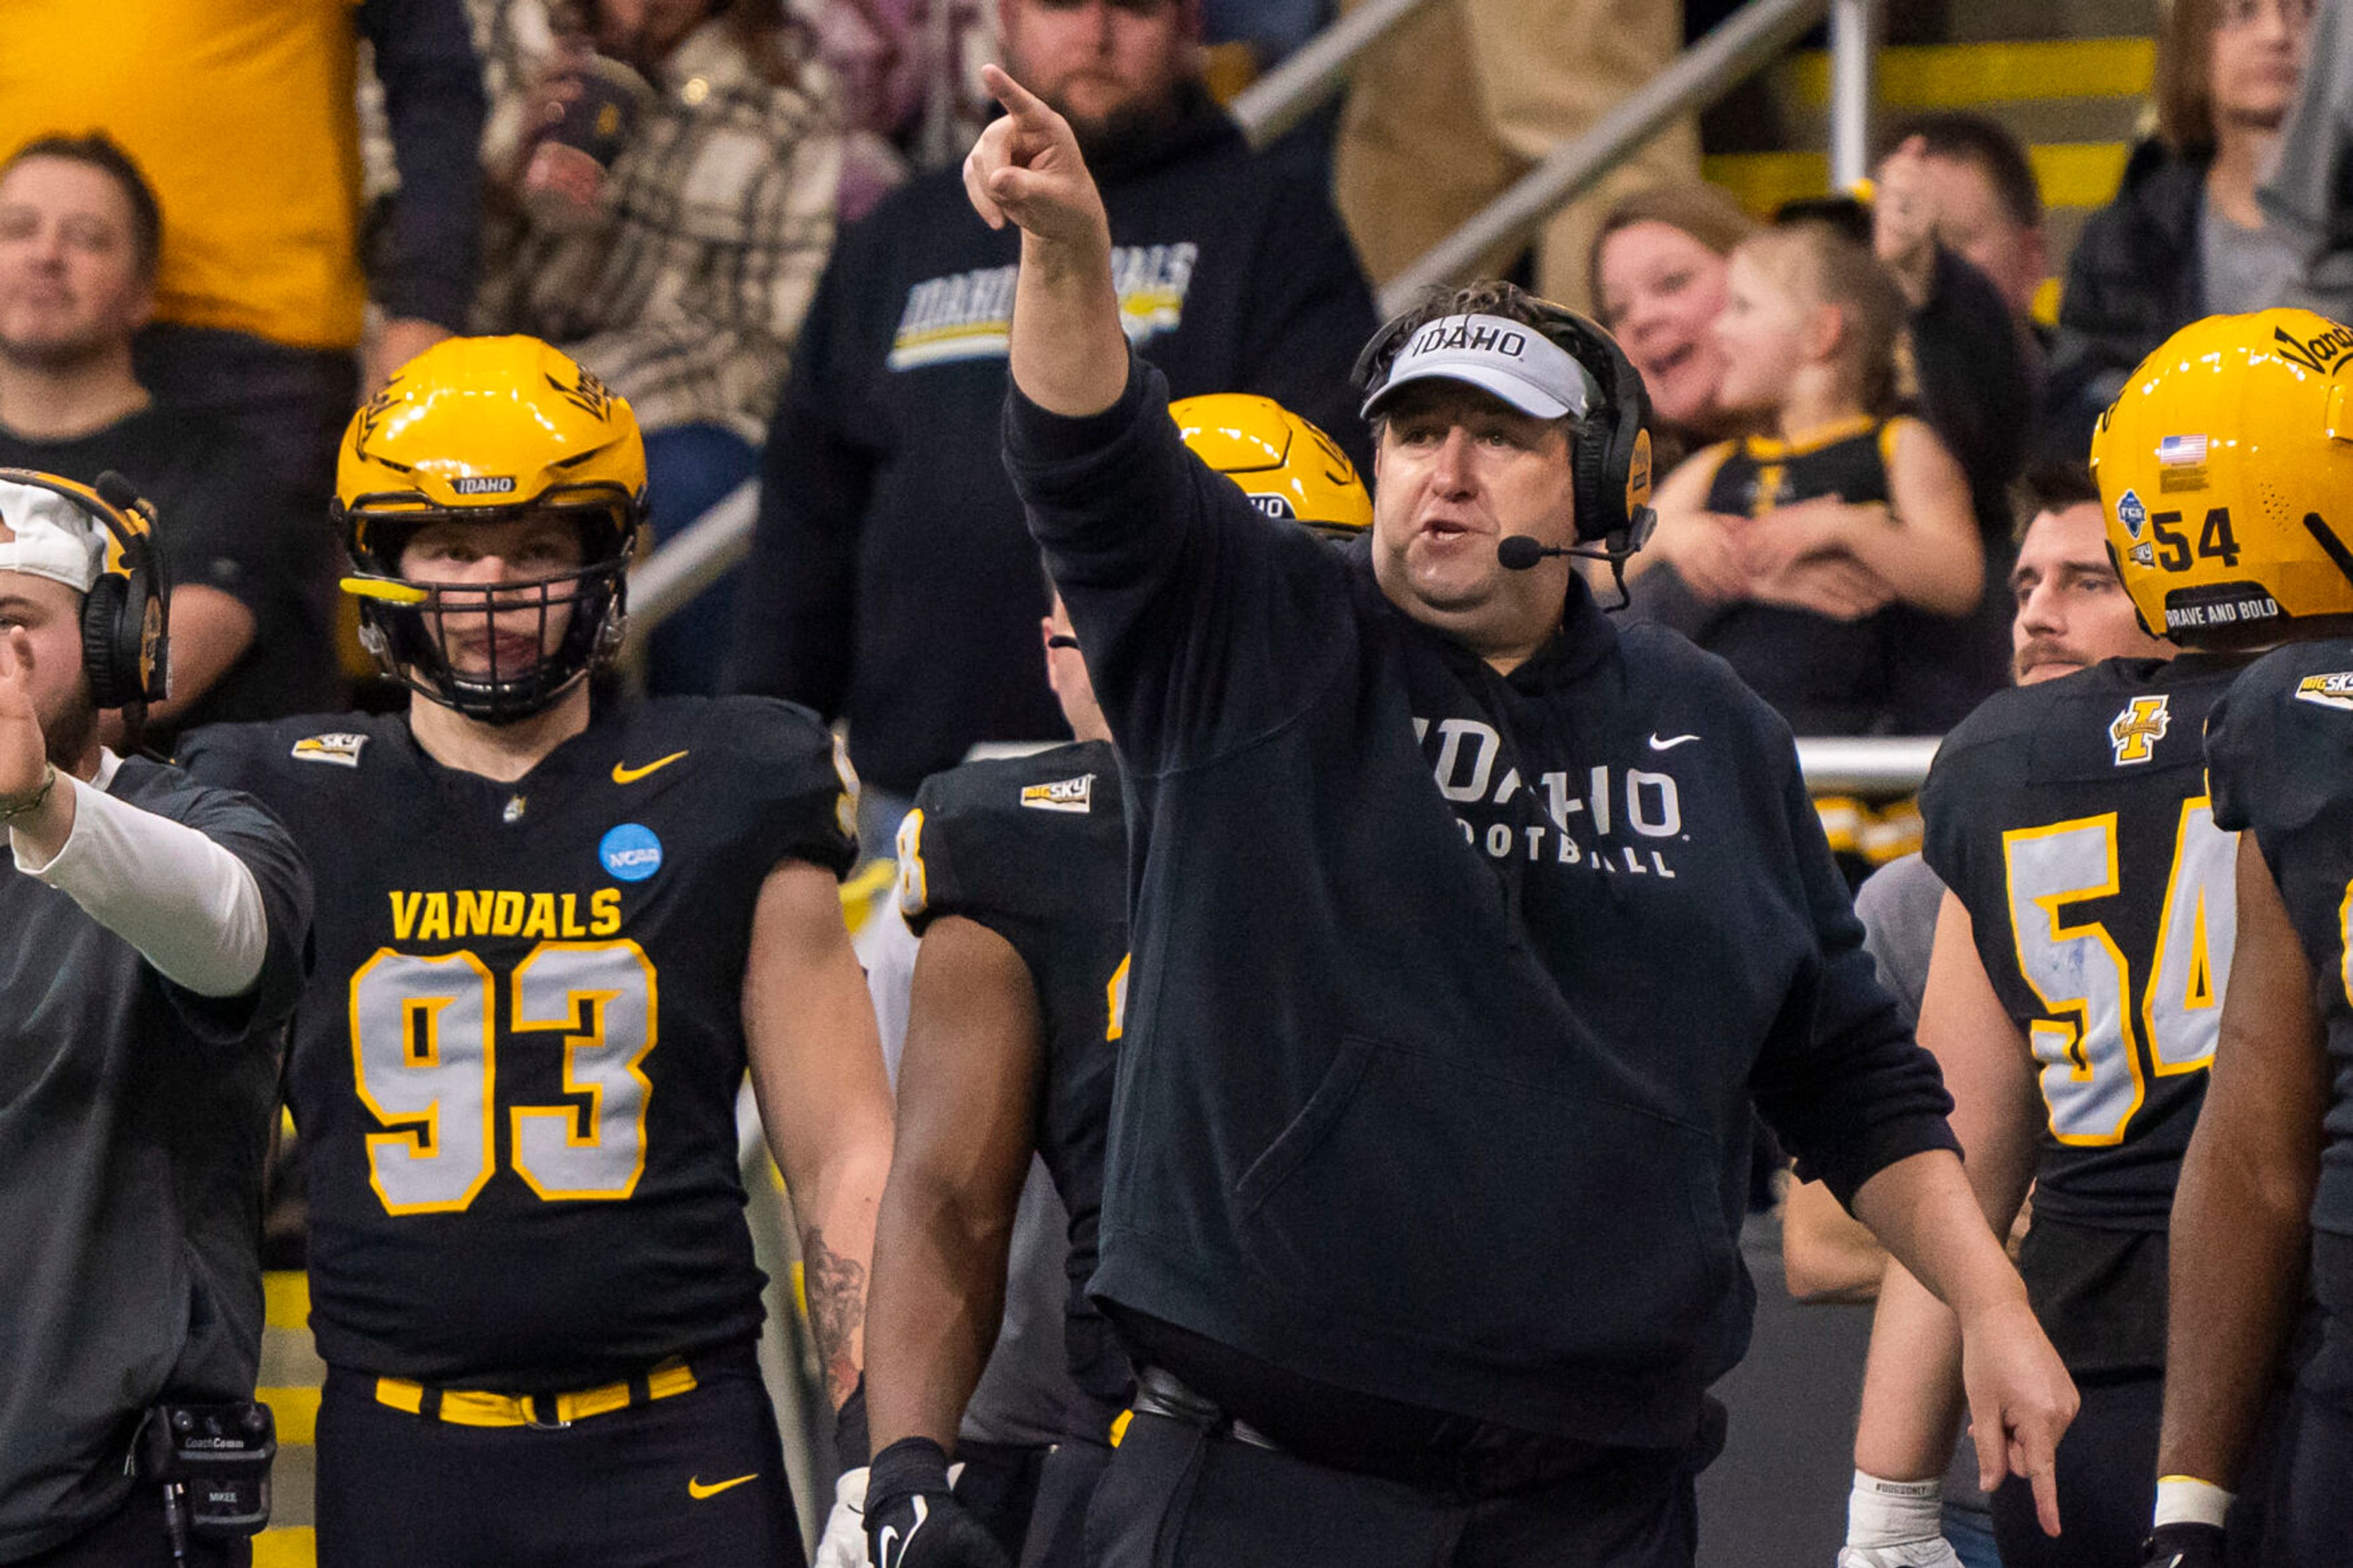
(817, 1071)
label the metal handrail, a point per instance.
(1316, 70)
(1732, 49)
(702, 551)
(1866, 764)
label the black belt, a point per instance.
(1159, 1393)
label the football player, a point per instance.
(2263, 553)
(555, 928)
(1015, 875)
(2074, 991)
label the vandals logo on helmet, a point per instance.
(372, 415)
(590, 396)
(2326, 353)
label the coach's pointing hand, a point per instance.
(2021, 1402)
(1068, 351)
(1027, 167)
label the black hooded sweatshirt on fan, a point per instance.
(891, 581)
(1451, 991)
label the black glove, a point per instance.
(2184, 1546)
(913, 1520)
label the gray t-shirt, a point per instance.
(134, 1116)
(2245, 269)
(1898, 905)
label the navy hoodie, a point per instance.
(1451, 991)
(890, 580)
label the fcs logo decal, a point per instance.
(340, 747)
(1063, 795)
(2135, 732)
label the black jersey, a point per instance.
(2070, 818)
(1035, 848)
(2280, 752)
(515, 1067)
(1826, 676)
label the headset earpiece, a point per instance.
(125, 617)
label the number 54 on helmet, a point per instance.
(2226, 477)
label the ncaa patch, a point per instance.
(339, 747)
(2327, 690)
(2135, 732)
(1064, 794)
(630, 852)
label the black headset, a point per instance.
(126, 616)
(1612, 460)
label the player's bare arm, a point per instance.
(2021, 1398)
(1912, 1393)
(817, 1071)
(2236, 1274)
(1068, 354)
(967, 1084)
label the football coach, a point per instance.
(156, 932)
(1467, 929)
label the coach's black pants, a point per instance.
(2107, 1483)
(1179, 1494)
(694, 1479)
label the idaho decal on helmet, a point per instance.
(1287, 467)
(2226, 475)
(485, 431)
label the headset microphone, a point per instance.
(1517, 551)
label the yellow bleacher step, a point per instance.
(1967, 76)
(286, 1300)
(2072, 175)
(297, 1410)
(286, 1549)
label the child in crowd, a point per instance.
(1789, 552)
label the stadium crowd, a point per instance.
(1270, 1129)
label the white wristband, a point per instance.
(2186, 1500)
(1893, 1514)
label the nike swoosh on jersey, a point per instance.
(623, 774)
(1657, 744)
(694, 1487)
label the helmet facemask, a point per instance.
(445, 639)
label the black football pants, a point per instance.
(696, 1479)
(1178, 1496)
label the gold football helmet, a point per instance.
(2226, 475)
(487, 430)
(1287, 467)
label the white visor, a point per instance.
(54, 537)
(1510, 359)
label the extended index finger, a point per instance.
(1019, 100)
(2032, 1456)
